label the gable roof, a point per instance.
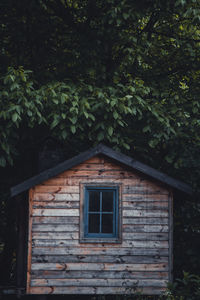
(100, 149)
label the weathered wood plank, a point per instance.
(144, 197)
(144, 189)
(75, 220)
(107, 250)
(145, 228)
(145, 221)
(145, 213)
(149, 236)
(54, 228)
(99, 259)
(56, 189)
(63, 204)
(145, 205)
(100, 274)
(100, 266)
(56, 212)
(75, 235)
(98, 166)
(99, 173)
(99, 282)
(125, 244)
(56, 197)
(128, 179)
(56, 235)
(55, 220)
(97, 290)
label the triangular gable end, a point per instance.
(104, 150)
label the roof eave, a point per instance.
(100, 149)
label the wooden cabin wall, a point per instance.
(59, 264)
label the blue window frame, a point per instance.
(101, 212)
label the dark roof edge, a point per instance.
(100, 149)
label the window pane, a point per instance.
(94, 221)
(94, 201)
(107, 223)
(107, 201)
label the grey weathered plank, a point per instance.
(145, 228)
(145, 205)
(97, 290)
(149, 236)
(56, 189)
(55, 220)
(145, 220)
(56, 197)
(144, 189)
(56, 235)
(145, 213)
(144, 197)
(99, 282)
(75, 220)
(53, 204)
(100, 274)
(108, 250)
(56, 212)
(68, 235)
(55, 227)
(98, 259)
(100, 266)
(137, 244)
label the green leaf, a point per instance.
(153, 143)
(2, 161)
(73, 129)
(15, 117)
(146, 129)
(73, 120)
(54, 123)
(110, 130)
(64, 134)
(115, 115)
(100, 136)
(63, 116)
(29, 113)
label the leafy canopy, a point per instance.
(122, 72)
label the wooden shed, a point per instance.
(98, 223)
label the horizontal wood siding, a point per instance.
(60, 264)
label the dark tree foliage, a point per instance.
(121, 72)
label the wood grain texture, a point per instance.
(145, 213)
(107, 250)
(97, 290)
(55, 212)
(52, 197)
(148, 220)
(62, 265)
(99, 259)
(55, 228)
(99, 282)
(145, 205)
(99, 274)
(49, 220)
(125, 244)
(100, 266)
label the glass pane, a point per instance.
(94, 201)
(94, 221)
(107, 223)
(107, 201)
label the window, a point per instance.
(100, 215)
